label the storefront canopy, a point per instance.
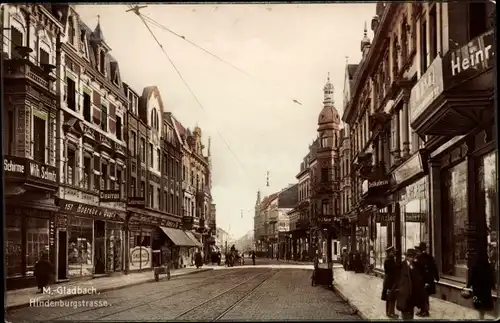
(192, 237)
(179, 237)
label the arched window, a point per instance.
(324, 141)
(71, 31)
(155, 124)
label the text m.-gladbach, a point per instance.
(65, 290)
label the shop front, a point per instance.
(454, 109)
(29, 218)
(177, 245)
(90, 240)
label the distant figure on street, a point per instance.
(410, 287)
(428, 269)
(219, 258)
(253, 257)
(389, 284)
(198, 259)
(277, 256)
(481, 282)
(344, 258)
(43, 271)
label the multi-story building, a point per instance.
(221, 239)
(196, 186)
(421, 136)
(262, 226)
(324, 175)
(300, 215)
(31, 48)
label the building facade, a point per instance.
(196, 186)
(31, 48)
(93, 169)
(420, 128)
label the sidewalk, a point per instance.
(363, 293)
(21, 297)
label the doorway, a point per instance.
(62, 257)
(100, 247)
(335, 249)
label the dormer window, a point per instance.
(71, 31)
(154, 120)
(101, 62)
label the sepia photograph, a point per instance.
(249, 161)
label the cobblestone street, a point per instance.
(278, 293)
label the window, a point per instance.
(151, 196)
(433, 51)
(104, 118)
(477, 19)
(97, 171)
(71, 172)
(39, 128)
(325, 207)
(80, 246)
(324, 175)
(164, 165)
(10, 135)
(151, 152)
(324, 141)
(455, 219)
(118, 128)
(143, 150)
(70, 95)
(158, 159)
(71, 31)
(165, 199)
(133, 143)
(171, 204)
(86, 172)
(132, 186)
(154, 119)
(119, 182)
(143, 187)
(102, 62)
(86, 107)
(423, 46)
(171, 168)
(404, 40)
(158, 198)
(16, 40)
(37, 240)
(44, 57)
(105, 177)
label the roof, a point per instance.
(266, 201)
(351, 70)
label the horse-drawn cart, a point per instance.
(161, 269)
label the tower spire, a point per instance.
(209, 144)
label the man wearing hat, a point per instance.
(426, 264)
(391, 271)
(410, 287)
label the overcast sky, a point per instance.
(288, 50)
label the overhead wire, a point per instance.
(159, 25)
(192, 93)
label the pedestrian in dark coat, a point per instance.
(43, 271)
(253, 257)
(428, 269)
(389, 284)
(480, 280)
(410, 287)
(198, 259)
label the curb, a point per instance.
(109, 289)
(345, 299)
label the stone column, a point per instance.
(405, 130)
(435, 212)
(397, 148)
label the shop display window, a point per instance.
(488, 196)
(380, 245)
(141, 252)
(13, 246)
(455, 221)
(37, 240)
(80, 244)
(114, 250)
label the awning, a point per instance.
(192, 237)
(179, 237)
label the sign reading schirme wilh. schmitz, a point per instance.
(470, 60)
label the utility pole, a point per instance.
(136, 9)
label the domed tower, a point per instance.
(324, 184)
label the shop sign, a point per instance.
(368, 185)
(469, 60)
(412, 167)
(385, 217)
(52, 232)
(140, 257)
(136, 201)
(415, 217)
(23, 167)
(109, 196)
(325, 219)
(87, 210)
(427, 89)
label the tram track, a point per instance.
(190, 286)
(226, 292)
